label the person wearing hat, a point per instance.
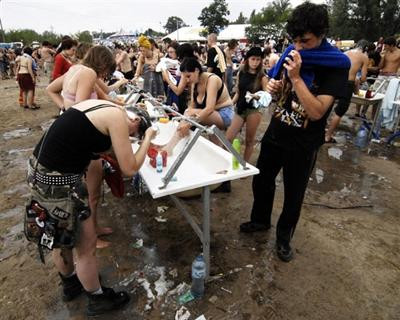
(83, 132)
(251, 78)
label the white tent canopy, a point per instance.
(233, 31)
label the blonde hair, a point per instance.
(144, 42)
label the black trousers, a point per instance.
(297, 165)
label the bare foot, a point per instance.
(101, 244)
(103, 231)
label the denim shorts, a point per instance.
(226, 114)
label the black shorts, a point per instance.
(344, 102)
(128, 75)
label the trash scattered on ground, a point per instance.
(365, 197)
(162, 285)
(319, 175)
(173, 273)
(213, 299)
(179, 289)
(16, 133)
(202, 317)
(138, 244)
(150, 295)
(249, 266)
(127, 280)
(226, 290)
(162, 209)
(182, 314)
(186, 297)
(335, 152)
(160, 219)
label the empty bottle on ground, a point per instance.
(198, 276)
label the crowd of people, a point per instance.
(212, 84)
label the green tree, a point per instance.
(340, 20)
(84, 36)
(27, 36)
(174, 23)
(51, 37)
(152, 33)
(269, 22)
(213, 17)
(240, 20)
(364, 19)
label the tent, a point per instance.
(233, 31)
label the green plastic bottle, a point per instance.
(236, 146)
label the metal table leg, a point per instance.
(374, 124)
(204, 233)
(206, 228)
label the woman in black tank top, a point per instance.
(81, 133)
(210, 103)
(251, 78)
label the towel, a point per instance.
(389, 112)
(264, 100)
(325, 55)
(220, 58)
(165, 64)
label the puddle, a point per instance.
(335, 153)
(45, 125)
(319, 175)
(16, 133)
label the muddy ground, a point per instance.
(346, 266)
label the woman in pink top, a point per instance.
(79, 84)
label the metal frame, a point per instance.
(199, 130)
(204, 232)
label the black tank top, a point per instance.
(246, 83)
(202, 105)
(72, 142)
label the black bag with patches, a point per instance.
(54, 207)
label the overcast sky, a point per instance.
(111, 15)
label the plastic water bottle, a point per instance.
(198, 276)
(159, 163)
(236, 146)
(362, 137)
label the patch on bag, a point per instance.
(60, 213)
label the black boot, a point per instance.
(284, 251)
(72, 287)
(107, 301)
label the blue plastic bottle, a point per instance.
(361, 140)
(198, 276)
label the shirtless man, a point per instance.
(390, 61)
(359, 60)
(47, 54)
(123, 62)
(388, 68)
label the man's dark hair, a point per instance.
(185, 50)
(308, 17)
(45, 43)
(28, 50)
(190, 65)
(391, 41)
